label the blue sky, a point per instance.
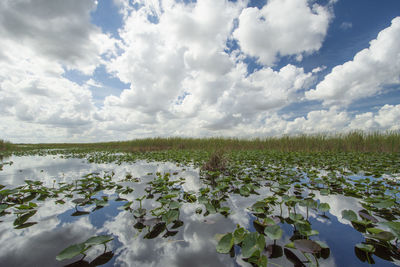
(86, 70)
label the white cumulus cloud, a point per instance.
(367, 74)
(282, 28)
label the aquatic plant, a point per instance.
(388, 142)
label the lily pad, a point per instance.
(252, 243)
(70, 252)
(307, 246)
(225, 244)
(170, 216)
(274, 232)
(324, 207)
(97, 240)
(366, 247)
(349, 215)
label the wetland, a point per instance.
(76, 207)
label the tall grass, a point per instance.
(353, 141)
(4, 145)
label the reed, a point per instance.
(5, 145)
(353, 141)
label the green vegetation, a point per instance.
(6, 146)
(353, 141)
(284, 183)
(296, 182)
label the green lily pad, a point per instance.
(383, 236)
(349, 215)
(239, 235)
(365, 215)
(71, 252)
(170, 216)
(22, 219)
(97, 240)
(3, 207)
(252, 243)
(274, 232)
(244, 191)
(307, 246)
(394, 227)
(324, 207)
(384, 204)
(225, 244)
(366, 247)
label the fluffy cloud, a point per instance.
(185, 75)
(282, 28)
(55, 29)
(367, 74)
(387, 118)
(183, 80)
(40, 41)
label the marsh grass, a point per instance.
(216, 162)
(5, 145)
(341, 142)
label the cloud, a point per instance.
(366, 75)
(40, 41)
(282, 28)
(346, 25)
(183, 80)
(387, 118)
(55, 29)
(185, 73)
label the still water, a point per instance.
(191, 242)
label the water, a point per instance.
(193, 244)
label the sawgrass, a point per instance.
(354, 141)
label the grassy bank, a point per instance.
(354, 141)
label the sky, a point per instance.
(109, 70)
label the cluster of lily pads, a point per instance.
(294, 181)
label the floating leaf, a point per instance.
(244, 191)
(22, 219)
(349, 215)
(366, 247)
(296, 217)
(139, 212)
(25, 225)
(364, 214)
(210, 208)
(225, 244)
(383, 236)
(97, 240)
(170, 216)
(239, 235)
(374, 230)
(3, 207)
(71, 252)
(324, 192)
(157, 229)
(80, 213)
(324, 207)
(307, 246)
(174, 205)
(384, 204)
(252, 242)
(394, 227)
(274, 232)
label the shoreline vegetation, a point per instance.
(386, 142)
